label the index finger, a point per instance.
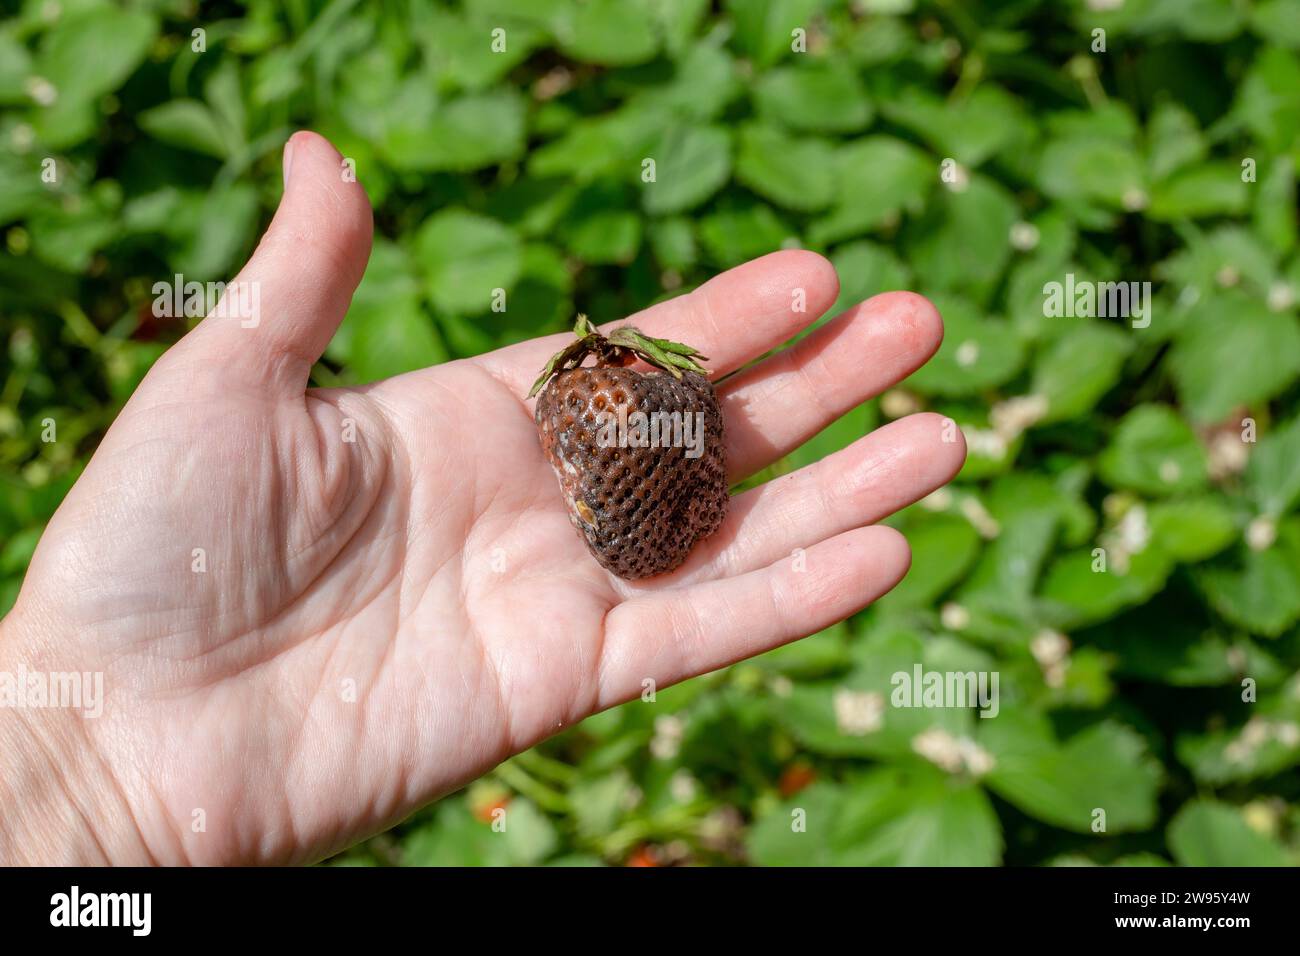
(732, 318)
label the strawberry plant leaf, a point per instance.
(1154, 452)
(1106, 767)
(692, 163)
(793, 172)
(92, 53)
(465, 257)
(822, 97)
(1260, 589)
(1272, 477)
(884, 818)
(1192, 529)
(1078, 368)
(1211, 833)
(607, 32)
(1234, 352)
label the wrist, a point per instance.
(59, 804)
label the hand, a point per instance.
(428, 564)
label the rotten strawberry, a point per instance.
(639, 455)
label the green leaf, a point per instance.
(1207, 20)
(1128, 859)
(1210, 833)
(1229, 251)
(599, 803)
(188, 124)
(607, 32)
(386, 332)
(541, 301)
(1192, 529)
(680, 20)
(613, 144)
(23, 190)
(532, 205)
(877, 179)
(1079, 368)
(764, 29)
(536, 13)
(66, 123)
(1091, 170)
(226, 227)
(1262, 591)
(223, 90)
(1076, 591)
(1266, 745)
(822, 97)
(943, 549)
(1277, 22)
(465, 257)
(66, 235)
(703, 83)
(389, 279)
(276, 76)
(794, 172)
(600, 226)
(470, 132)
(1272, 478)
(464, 49)
(396, 339)
(814, 712)
(738, 232)
(18, 550)
(962, 244)
(884, 818)
(969, 130)
(1213, 21)
(673, 243)
(1233, 351)
(92, 53)
(127, 366)
(691, 164)
(1027, 509)
(1106, 767)
(1211, 189)
(1154, 452)
(1173, 140)
(455, 838)
(1275, 204)
(1268, 99)
(15, 68)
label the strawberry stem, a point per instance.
(616, 348)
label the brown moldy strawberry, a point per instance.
(641, 496)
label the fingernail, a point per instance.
(287, 160)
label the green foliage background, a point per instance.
(522, 170)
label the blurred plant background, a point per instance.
(972, 151)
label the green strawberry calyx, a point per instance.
(617, 349)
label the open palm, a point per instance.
(316, 610)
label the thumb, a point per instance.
(286, 303)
